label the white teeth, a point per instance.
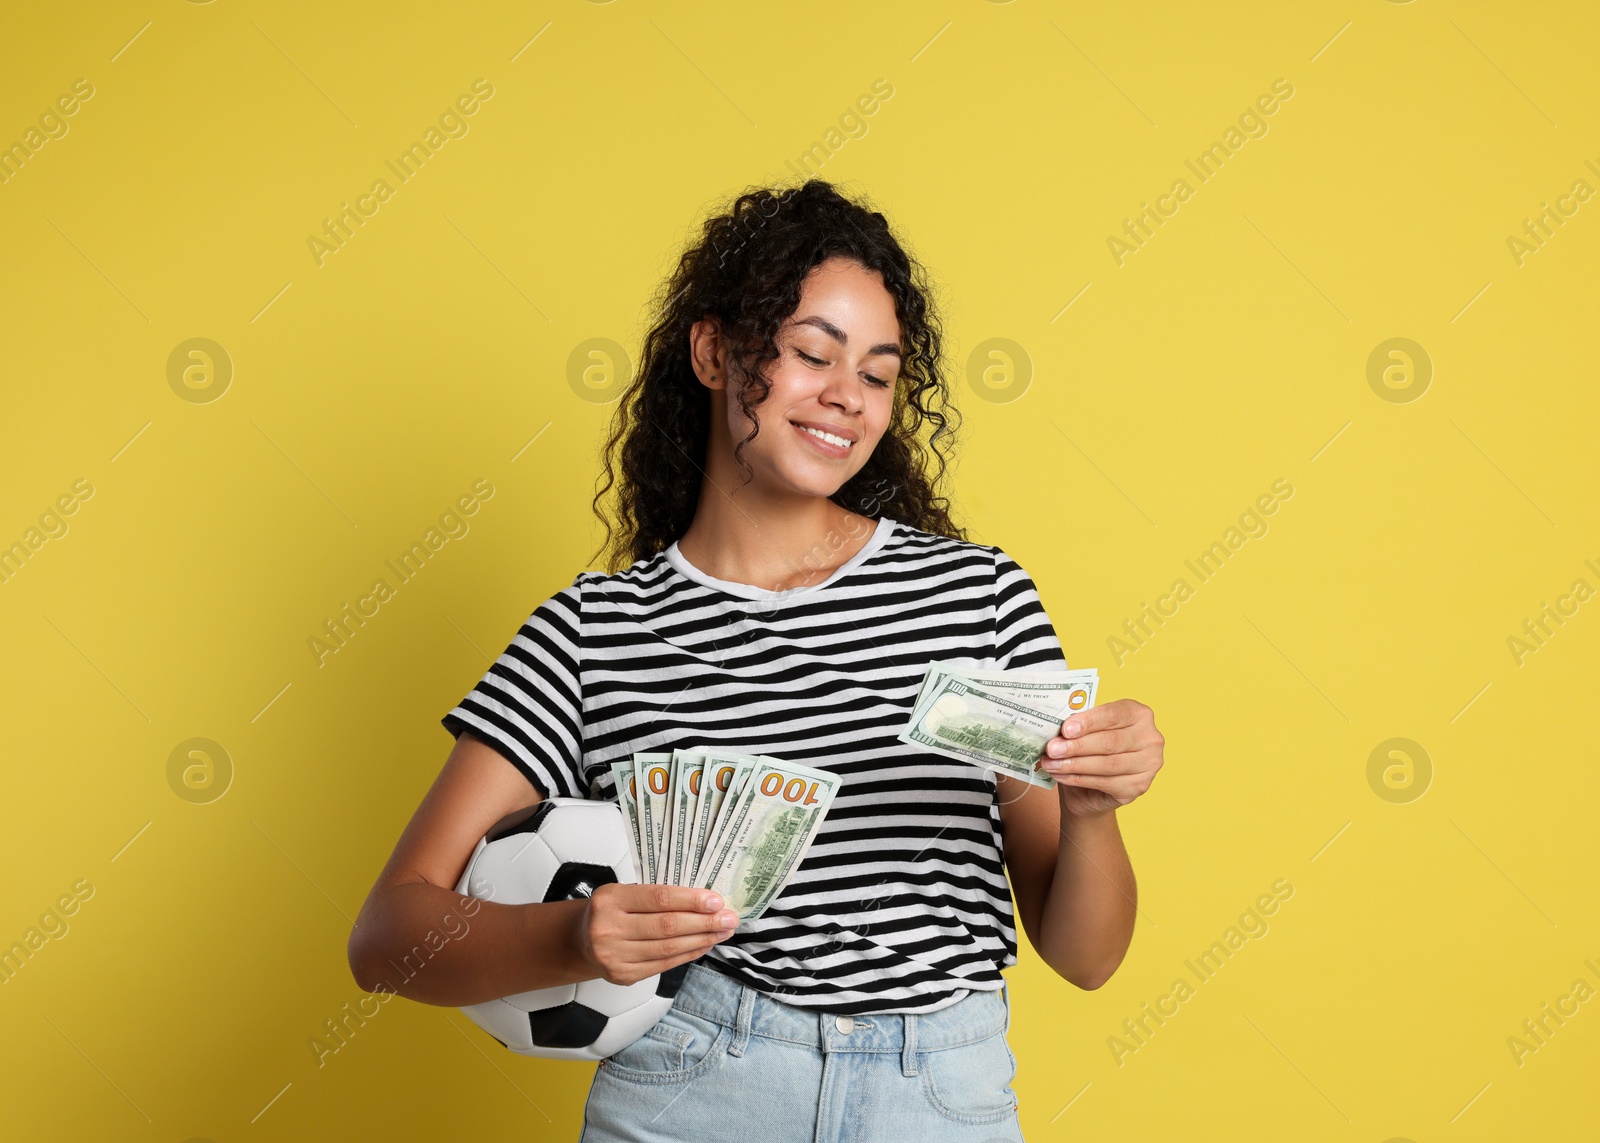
(829, 437)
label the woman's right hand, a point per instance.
(629, 932)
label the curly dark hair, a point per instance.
(746, 271)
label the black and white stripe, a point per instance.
(902, 904)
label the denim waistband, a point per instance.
(714, 996)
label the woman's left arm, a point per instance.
(1074, 885)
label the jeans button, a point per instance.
(845, 1024)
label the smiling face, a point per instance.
(832, 385)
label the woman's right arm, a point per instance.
(623, 933)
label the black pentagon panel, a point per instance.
(576, 879)
(669, 982)
(526, 820)
(570, 1025)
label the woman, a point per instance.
(789, 574)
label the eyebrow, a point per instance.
(833, 331)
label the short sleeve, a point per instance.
(1025, 639)
(529, 705)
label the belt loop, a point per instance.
(741, 1020)
(908, 1052)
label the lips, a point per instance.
(848, 434)
(826, 448)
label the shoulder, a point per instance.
(638, 585)
(639, 572)
(914, 546)
(914, 542)
(972, 570)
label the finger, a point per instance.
(667, 899)
(642, 952)
(1118, 740)
(1093, 765)
(1115, 785)
(1124, 787)
(655, 967)
(1118, 712)
(656, 926)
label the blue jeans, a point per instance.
(729, 1064)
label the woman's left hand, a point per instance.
(1104, 757)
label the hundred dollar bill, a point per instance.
(720, 770)
(683, 800)
(730, 801)
(628, 800)
(1047, 691)
(767, 834)
(987, 726)
(653, 773)
(1059, 693)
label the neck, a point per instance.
(775, 539)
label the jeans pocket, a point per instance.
(679, 1048)
(971, 1084)
(658, 1050)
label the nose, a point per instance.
(843, 390)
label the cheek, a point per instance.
(880, 414)
(768, 414)
(788, 390)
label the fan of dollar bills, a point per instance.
(716, 819)
(997, 719)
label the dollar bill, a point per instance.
(1056, 693)
(1047, 691)
(653, 774)
(1002, 728)
(766, 835)
(628, 800)
(720, 771)
(683, 800)
(730, 801)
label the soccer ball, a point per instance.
(559, 850)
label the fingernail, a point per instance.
(1056, 748)
(712, 901)
(1073, 727)
(728, 920)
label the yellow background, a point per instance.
(1230, 351)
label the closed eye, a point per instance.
(877, 382)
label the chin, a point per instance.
(820, 485)
(821, 490)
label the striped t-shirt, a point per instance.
(901, 904)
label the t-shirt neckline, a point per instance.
(875, 542)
